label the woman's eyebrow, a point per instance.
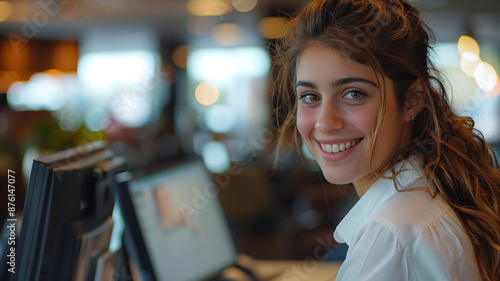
(306, 84)
(348, 80)
(336, 83)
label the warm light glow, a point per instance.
(486, 77)
(179, 56)
(468, 44)
(469, 62)
(206, 93)
(65, 56)
(227, 34)
(208, 7)
(7, 78)
(5, 10)
(19, 9)
(17, 56)
(54, 72)
(244, 5)
(271, 27)
(495, 92)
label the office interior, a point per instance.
(161, 79)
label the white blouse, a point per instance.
(394, 236)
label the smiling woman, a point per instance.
(336, 112)
(354, 80)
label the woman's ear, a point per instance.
(414, 100)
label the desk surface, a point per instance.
(297, 270)
(291, 270)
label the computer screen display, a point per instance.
(182, 223)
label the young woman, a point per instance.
(354, 80)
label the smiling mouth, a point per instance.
(339, 147)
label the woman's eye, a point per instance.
(308, 98)
(355, 95)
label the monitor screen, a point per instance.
(181, 222)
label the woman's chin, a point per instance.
(335, 179)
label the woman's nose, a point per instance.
(329, 119)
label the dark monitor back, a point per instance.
(69, 193)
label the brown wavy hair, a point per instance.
(390, 36)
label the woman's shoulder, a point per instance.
(425, 232)
(412, 213)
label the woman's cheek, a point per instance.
(303, 123)
(365, 120)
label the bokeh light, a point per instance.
(221, 64)
(227, 34)
(216, 157)
(244, 5)
(27, 95)
(468, 44)
(486, 77)
(495, 91)
(133, 108)
(272, 27)
(206, 93)
(179, 56)
(208, 7)
(94, 118)
(469, 62)
(220, 118)
(70, 120)
(5, 10)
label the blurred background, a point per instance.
(159, 79)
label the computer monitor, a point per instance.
(175, 222)
(66, 221)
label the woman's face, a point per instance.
(338, 101)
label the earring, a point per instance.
(411, 118)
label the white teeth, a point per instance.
(335, 148)
(328, 148)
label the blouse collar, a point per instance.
(410, 175)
